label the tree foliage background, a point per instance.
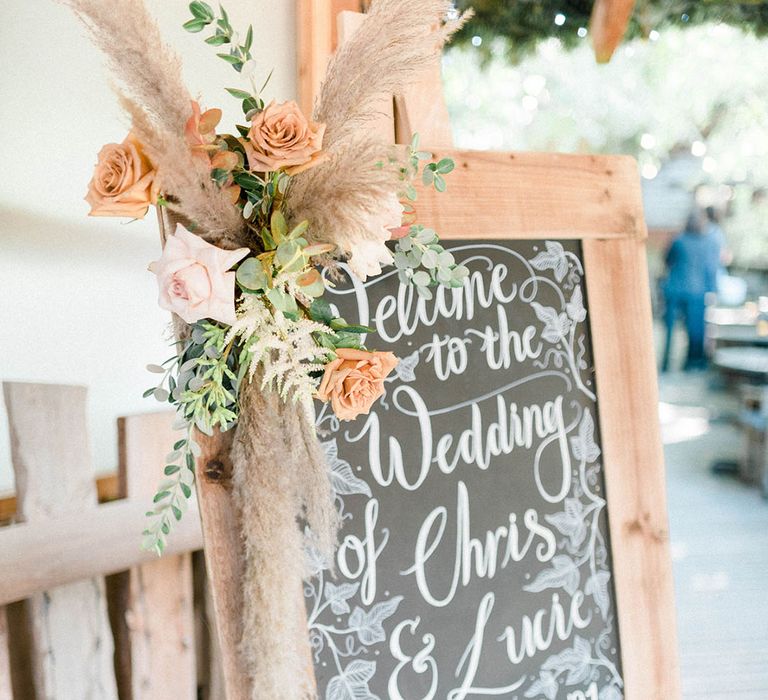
(524, 23)
(696, 95)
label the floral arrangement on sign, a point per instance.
(263, 218)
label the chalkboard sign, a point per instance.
(475, 555)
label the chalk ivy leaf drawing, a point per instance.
(597, 587)
(556, 325)
(563, 574)
(545, 684)
(338, 596)
(583, 445)
(352, 682)
(553, 258)
(405, 369)
(343, 479)
(570, 522)
(575, 307)
(314, 560)
(610, 692)
(369, 625)
(576, 661)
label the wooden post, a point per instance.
(221, 538)
(318, 35)
(607, 26)
(5, 661)
(210, 675)
(70, 639)
(421, 108)
(151, 605)
(633, 464)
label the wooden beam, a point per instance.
(71, 657)
(50, 552)
(339, 7)
(607, 26)
(619, 303)
(318, 35)
(224, 551)
(314, 31)
(6, 693)
(106, 487)
(151, 605)
(530, 195)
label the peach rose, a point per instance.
(354, 380)
(123, 182)
(193, 278)
(281, 138)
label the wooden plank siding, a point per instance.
(70, 650)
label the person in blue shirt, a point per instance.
(693, 261)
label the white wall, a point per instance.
(76, 302)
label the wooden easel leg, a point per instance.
(223, 555)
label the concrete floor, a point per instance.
(719, 537)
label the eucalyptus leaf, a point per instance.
(195, 25)
(239, 94)
(445, 166)
(282, 301)
(278, 226)
(251, 275)
(424, 292)
(421, 278)
(161, 395)
(217, 40)
(287, 253)
(429, 259)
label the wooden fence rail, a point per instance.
(84, 612)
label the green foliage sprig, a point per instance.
(171, 500)
(423, 262)
(239, 55)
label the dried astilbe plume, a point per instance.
(148, 73)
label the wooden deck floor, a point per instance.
(719, 531)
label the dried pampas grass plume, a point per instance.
(397, 39)
(339, 196)
(277, 476)
(148, 73)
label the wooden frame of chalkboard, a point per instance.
(595, 199)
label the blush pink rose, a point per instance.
(354, 380)
(194, 280)
(123, 182)
(281, 137)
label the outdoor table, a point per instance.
(749, 363)
(736, 335)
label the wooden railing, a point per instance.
(84, 612)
